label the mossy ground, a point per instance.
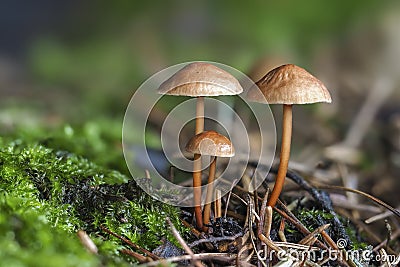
(47, 193)
(54, 183)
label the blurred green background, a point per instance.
(84, 59)
(79, 62)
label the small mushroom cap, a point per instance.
(201, 79)
(210, 143)
(289, 84)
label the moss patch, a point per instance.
(50, 191)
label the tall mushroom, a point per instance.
(287, 85)
(200, 79)
(210, 143)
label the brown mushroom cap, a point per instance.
(201, 79)
(210, 143)
(289, 84)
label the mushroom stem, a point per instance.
(197, 164)
(285, 155)
(197, 190)
(199, 115)
(210, 189)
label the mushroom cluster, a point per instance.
(200, 79)
(286, 85)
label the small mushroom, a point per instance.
(287, 85)
(210, 143)
(200, 79)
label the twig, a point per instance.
(376, 200)
(305, 231)
(322, 199)
(130, 243)
(289, 216)
(295, 246)
(87, 242)
(218, 204)
(268, 220)
(197, 233)
(214, 239)
(223, 257)
(229, 196)
(250, 212)
(329, 240)
(350, 181)
(139, 257)
(341, 201)
(379, 216)
(183, 243)
(389, 233)
(383, 243)
(269, 242)
(237, 216)
(311, 238)
(281, 230)
(192, 229)
(262, 213)
(244, 249)
(255, 194)
(238, 197)
(384, 258)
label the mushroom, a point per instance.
(200, 79)
(287, 85)
(210, 143)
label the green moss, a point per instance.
(67, 193)
(28, 240)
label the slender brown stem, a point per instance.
(197, 190)
(199, 115)
(210, 190)
(285, 154)
(197, 164)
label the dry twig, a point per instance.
(87, 242)
(221, 257)
(183, 243)
(311, 238)
(131, 244)
(376, 200)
